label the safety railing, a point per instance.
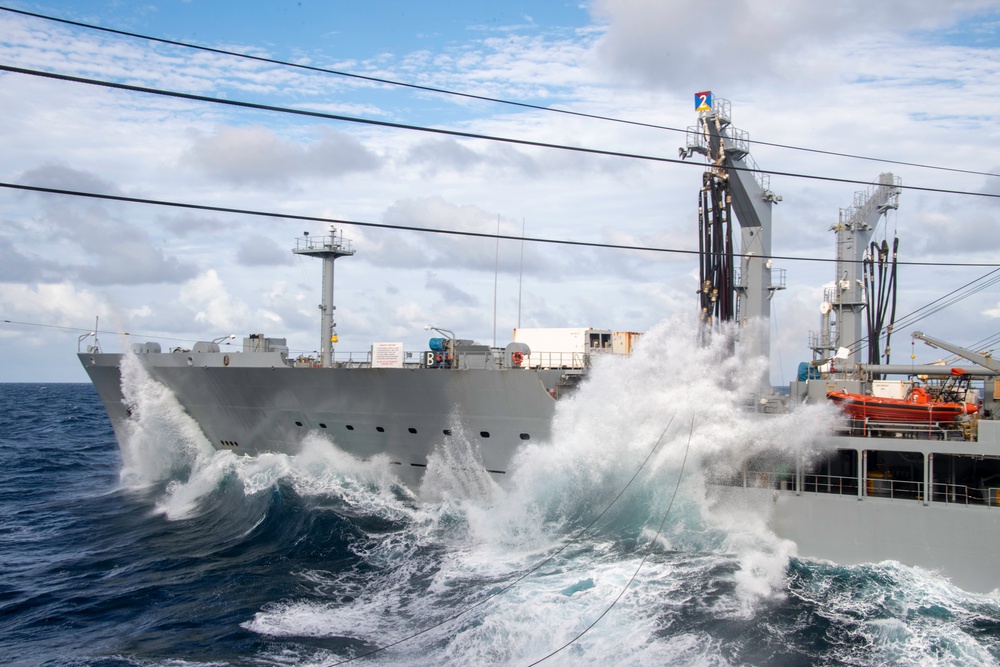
(874, 487)
(837, 485)
(960, 494)
(869, 428)
(765, 479)
(536, 360)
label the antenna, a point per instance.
(496, 271)
(520, 276)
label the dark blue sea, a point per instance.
(176, 555)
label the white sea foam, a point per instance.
(682, 399)
(162, 441)
(464, 538)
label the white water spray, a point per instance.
(162, 442)
(601, 436)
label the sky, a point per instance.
(910, 81)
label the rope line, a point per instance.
(532, 570)
(473, 96)
(456, 133)
(427, 230)
(649, 549)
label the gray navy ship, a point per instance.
(899, 479)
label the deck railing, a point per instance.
(875, 487)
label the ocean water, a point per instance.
(599, 548)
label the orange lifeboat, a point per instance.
(918, 407)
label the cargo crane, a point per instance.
(865, 285)
(732, 184)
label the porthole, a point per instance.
(298, 423)
(349, 427)
(447, 431)
(412, 430)
(380, 429)
(484, 434)
(322, 425)
(525, 436)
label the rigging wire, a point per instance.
(958, 294)
(454, 133)
(649, 549)
(425, 230)
(536, 567)
(454, 93)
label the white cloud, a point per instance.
(256, 155)
(261, 251)
(748, 43)
(214, 307)
(885, 79)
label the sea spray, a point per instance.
(162, 442)
(684, 402)
(455, 471)
(681, 405)
(285, 573)
(507, 552)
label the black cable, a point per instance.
(425, 230)
(892, 305)
(484, 98)
(454, 133)
(649, 549)
(961, 293)
(536, 567)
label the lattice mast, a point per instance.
(732, 184)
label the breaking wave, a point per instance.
(464, 570)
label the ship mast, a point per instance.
(733, 184)
(329, 249)
(846, 301)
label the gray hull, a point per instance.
(403, 413)
(955, 541)
(922, 497)
(933, 511)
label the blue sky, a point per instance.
(906, 80)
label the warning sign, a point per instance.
(387, 355)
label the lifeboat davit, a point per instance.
(917, 407)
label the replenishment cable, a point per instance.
(426, 230)
(649, 549)
(456, 133)
(534, 568)
(455, 93)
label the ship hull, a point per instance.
(401, 413)
(923, 498)
(951, 540)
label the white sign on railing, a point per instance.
(387, 355)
